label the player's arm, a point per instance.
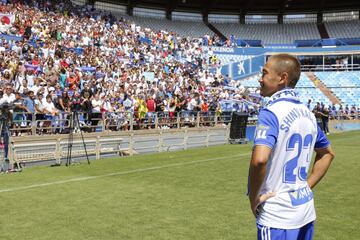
(323, 159)
(265, 140)
(257, 171)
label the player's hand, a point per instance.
(259, 200)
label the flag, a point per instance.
(7, 19)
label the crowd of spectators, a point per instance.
(62, 58)
(57, 58)
(340, 112)
(325, 113)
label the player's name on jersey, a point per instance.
(294, 114)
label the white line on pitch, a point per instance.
(119, 173)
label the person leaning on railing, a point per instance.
(151, 107)
(97, 104)
(204, 111)
(19, 113)
(39, 110)
(29, 102)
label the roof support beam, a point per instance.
(208, 5)
(280, 18)
(130, 7)
(242, 17)
(170, 8)
(319, 17)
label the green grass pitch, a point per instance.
(193, 194)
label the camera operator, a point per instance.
(64, 105)
(76, 102)
(86, 95)
(76, 108)
(6, 100)
(87, 106)
(6, 118)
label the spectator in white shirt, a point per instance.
(8, 96)
(97, 104)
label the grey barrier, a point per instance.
(53, 147)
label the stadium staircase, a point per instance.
(326, 91)
(322, 30)
(343, 84)
(216, 31)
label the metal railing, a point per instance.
(38, 124)
(330, 67)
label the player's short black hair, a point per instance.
(289, 64)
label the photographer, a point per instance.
(76, 108)
(76, 102)
(6, 118)
(86, 95)
(64, 105)
(86, 105)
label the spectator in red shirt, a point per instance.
(204, 106)
(151, 106)
(204, 111)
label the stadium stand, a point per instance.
(251, 82)
(271, 33)
(182, 28)
(81, 57)
(343, 29)
(106, 69)
(305, 87)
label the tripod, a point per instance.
(74, 125)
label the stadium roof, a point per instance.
(246, 6)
